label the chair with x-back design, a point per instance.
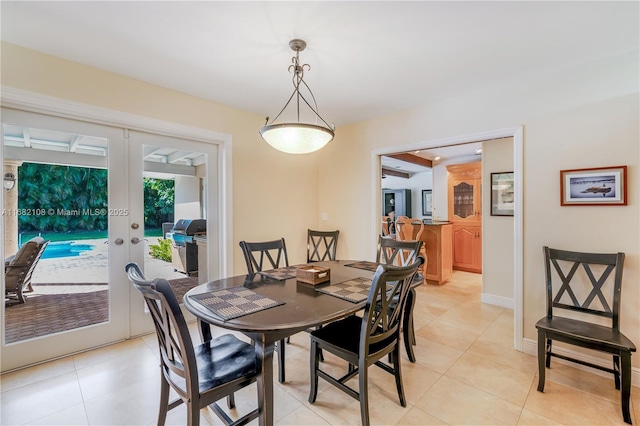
(262, 256)
(321, 245)
(565, 288)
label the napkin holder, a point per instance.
(313, 274)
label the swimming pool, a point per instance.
(65, 249)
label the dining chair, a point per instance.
(321, 245)
(572, 285)
(262, 256)
(394, 252)
(199, 375)
(408, 229)
(364, 341)
(18, 269)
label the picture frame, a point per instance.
(427, 202)
(600, 186)
(502, 188)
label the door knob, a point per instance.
(118, 241)
(135, 240)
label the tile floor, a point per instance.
(466, 373)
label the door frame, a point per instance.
(517, 133)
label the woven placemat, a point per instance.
(280, 274)
(367, 266)
(234, 302)
(354, 290)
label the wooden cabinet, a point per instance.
(467, 252)
(396, 200)
(465, 212)
(437, 242)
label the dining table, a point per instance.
(292, 306)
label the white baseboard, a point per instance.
(492, 299)
(531, 347)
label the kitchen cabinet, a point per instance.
(396, 200)
(465, 213)
(438, 240)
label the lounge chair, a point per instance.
(18, 269)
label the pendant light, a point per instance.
(298, 138)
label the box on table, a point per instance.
(313, 274)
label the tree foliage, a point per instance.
(66, 198)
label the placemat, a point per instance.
(280, 274)
(354, 290)
(234, 302)
(368, 266)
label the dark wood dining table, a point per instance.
(303, 308)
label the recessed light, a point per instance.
(436, 158)
(479, 150)
(417, 152)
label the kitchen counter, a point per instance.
(438, 241)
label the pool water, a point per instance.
(65, 249)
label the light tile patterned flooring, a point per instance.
(466, 373)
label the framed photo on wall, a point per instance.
(502, 187)
(600, 186)
(427, 202)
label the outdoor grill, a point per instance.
(184, 250)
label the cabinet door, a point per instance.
(467, 248)
(465, 198)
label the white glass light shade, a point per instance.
(296, 138)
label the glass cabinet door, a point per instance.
(463, 200)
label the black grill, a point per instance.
(184, 252)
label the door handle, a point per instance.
(135, 240)
(118, 241)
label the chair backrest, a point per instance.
(408, 229)
(399, 253)
(176, 347)
(386, 301)
(386, 225)
(265, 255)
(19, 270)
(321, 245)
(582, 289)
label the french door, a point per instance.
(81, 186)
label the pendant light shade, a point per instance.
(297, 137)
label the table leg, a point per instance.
(264, 359)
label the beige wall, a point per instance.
(497, 231)
(274, 194)
(573, 118)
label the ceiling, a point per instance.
(367, 59)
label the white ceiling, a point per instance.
(367, 58)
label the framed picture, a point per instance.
(502, 194)
(602, 186)
(427, 202)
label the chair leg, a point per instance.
(164, 400)
(314, 361)
(231, 401)
(616, 370)
(363, 392)
(193, 413)
(549, 347)
(408, 334)
(626, 385)
(281, 376)
(397, 372)
(542, 355)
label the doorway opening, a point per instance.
(516, 133)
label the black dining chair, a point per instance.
(321, 245)
(394, 252)
(262, 256)
(574, 279)
(199, 375)
(364, 341)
